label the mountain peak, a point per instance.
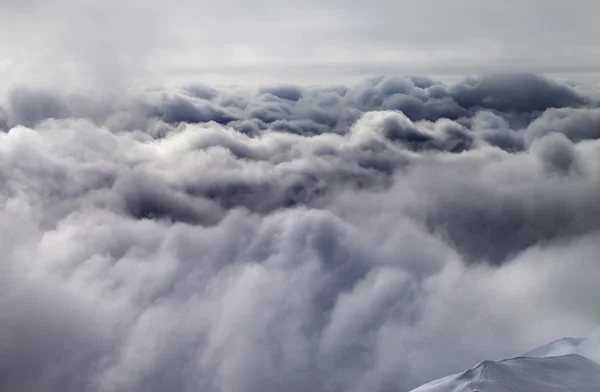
(571, 372)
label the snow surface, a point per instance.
(567, 373)
(562, 346)
(587, 347)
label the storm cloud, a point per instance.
(369, 237)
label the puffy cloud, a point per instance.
(575, 124)
(516, 98)
(306, 239)
(521, 93)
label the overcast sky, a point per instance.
(233, 41)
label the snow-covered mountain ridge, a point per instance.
(565, 365)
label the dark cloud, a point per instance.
(202, 92)
(495, 223)
(251, 127)
(30, 107)
(365, 238)
(299, 127)
(145, 197)
(557, 154)
(183, 110)
(520, 93)
(289, 93)
(519, 99)
(496, 130)
(3, 120)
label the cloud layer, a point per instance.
(112, 43)
(364, 238)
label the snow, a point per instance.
(562, 346)
(587, 347)
(566, 373)
(564, 365)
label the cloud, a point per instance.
(517, 98)
(362, 238)
(521, 93)
(576, 125)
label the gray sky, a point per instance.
(111, 43)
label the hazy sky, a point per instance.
(233, 41)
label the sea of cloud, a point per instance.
(347, 238)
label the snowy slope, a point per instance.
(562, 346)
(567, 373)
(587, 347)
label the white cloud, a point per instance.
(356, 248)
